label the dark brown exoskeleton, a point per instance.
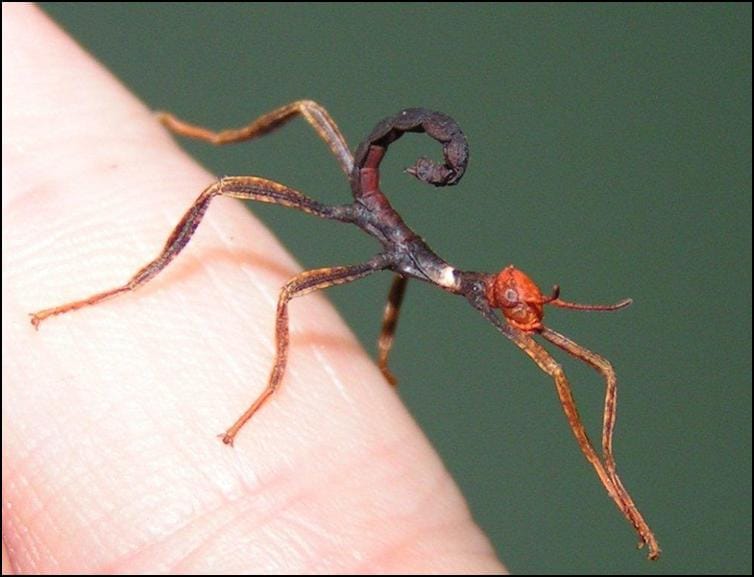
(405, 254)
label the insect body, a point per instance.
(405, 254)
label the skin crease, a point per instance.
(110, 460)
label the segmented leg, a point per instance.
(602, 366)
(609, 477)
(389, 324)
(299, 285)
(241, 187)
(312, 112)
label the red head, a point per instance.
(522, 302)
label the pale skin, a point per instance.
(110, 462)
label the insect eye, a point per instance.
(511, 296)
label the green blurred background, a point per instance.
(610, 153)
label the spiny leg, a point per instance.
(312, 112)
(241, 187)
(299, 285)
(610, 481)
(389, 324)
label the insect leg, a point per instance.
(312, 112)
(301, 284)
(549, 365)
(389, 324)
(241, 187)
(603, 366)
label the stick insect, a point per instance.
(405, 254)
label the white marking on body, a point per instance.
(448, 277)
